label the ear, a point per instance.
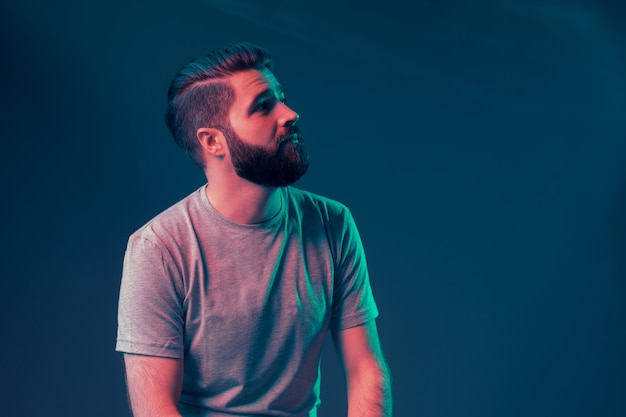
(212, 140)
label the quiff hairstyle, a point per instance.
(200, 96)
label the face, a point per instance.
(264, 142)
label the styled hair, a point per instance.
(200, 96)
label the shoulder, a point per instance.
(308, 201)
(172, 222)
(316, 212)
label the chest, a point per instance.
(261, 286)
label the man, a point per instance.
(227, 296)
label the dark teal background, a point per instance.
(480, 145)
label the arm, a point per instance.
(367, 375)
(154, 385)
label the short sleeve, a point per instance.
(150, 311)
(353, 302)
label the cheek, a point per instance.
(255, 132)
(263, 134)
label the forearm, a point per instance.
(144, 406)
(154, 385)
(369, 394)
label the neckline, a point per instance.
(267, 224)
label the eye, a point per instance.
(265, 105)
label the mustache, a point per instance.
(292, 134)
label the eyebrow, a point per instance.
(265, 93)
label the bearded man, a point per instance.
(228, 295)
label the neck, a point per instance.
(244, 203)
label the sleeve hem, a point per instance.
(149, 350)
(354, 320)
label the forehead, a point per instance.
(248, 84)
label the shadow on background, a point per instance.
(481, 148)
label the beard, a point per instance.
(277, 166)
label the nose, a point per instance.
(294, 121)
(290, 117)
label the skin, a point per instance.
(260, 117)
(367, 375)
(154, 385)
